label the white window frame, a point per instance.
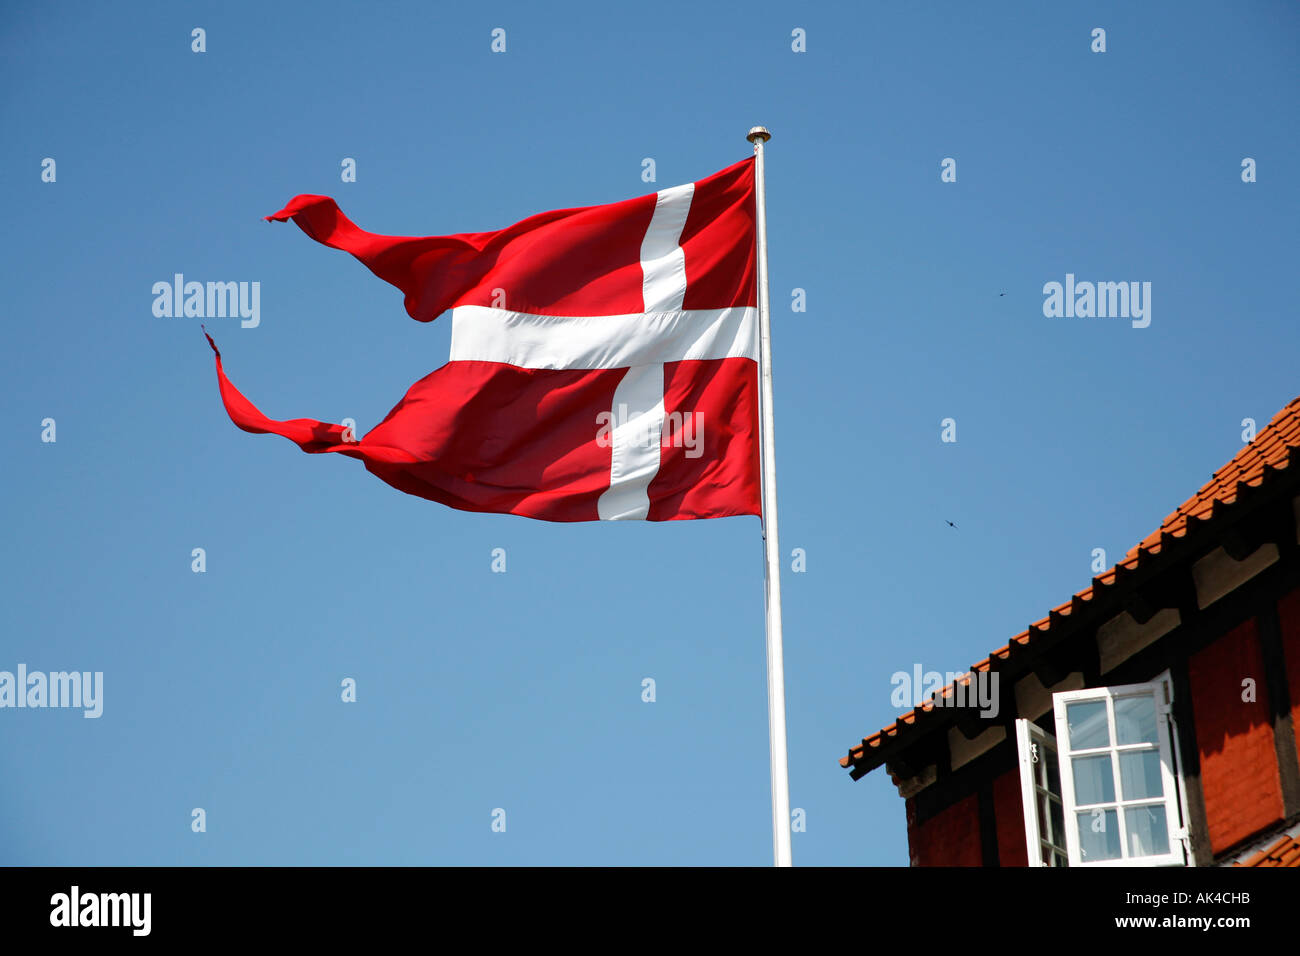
(1036, 746)
(1166, 736)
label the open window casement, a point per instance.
(1040, 790)
(1119, 785)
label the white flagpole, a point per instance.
(771, 549)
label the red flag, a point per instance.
(603, 359)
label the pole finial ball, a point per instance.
(757, 133)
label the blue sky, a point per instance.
(522, 690)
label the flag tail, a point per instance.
(308, 434)
(431, 271)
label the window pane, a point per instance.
(1094, 779)
(1135, 719)
(1148, 832)
(1043, 810)
(1139, 775)
(1088, 725)
(1098, 835)
(1053, 775)
(1058, 824)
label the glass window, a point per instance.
(1135, 719)
(1040, 786)
(1098, 835)
(1148, 830)
(1119, 792)
(1088, 725)
(1139, 774)
(1094, 780)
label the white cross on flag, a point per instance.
(603, 359)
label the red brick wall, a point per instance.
(950, 838)
(1009, 811)
(1243, 793)
(1288, 613)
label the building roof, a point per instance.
(1285, 851)
(1275, 449)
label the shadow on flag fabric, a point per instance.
(603, 360)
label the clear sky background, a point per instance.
(522, 690)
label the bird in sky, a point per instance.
(950, 524)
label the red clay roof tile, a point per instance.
(1285, 852)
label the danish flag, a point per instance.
(603, 359)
